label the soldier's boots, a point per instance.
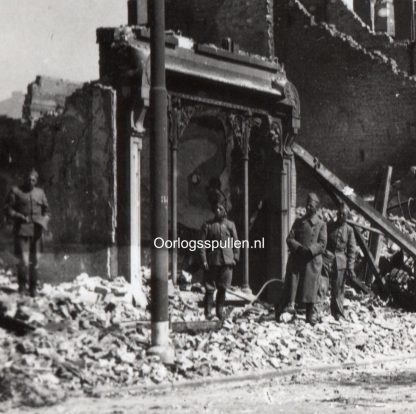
(290, 308)
(220, 302)
(33, 281)
(208, 305)
(22, 278)
(311, 314)
(280, 308)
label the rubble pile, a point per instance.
(71, 340)
(70, 337)
(86, 335)
(251, 340)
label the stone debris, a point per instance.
(85, 344)
(87, 336)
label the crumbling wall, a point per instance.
(337, 13)
(75, 156)
(357, 113)
(358, 108)
(247, 22)
(46, 96)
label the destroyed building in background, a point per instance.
(46, 96)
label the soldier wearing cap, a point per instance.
(28, 207)
(339, 258)
(307, 242)
(218, 262)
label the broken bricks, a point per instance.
(85, 346)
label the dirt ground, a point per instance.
(382, 388)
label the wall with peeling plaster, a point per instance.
(204, 151)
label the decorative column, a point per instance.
(135, 233)
(179, 117)
(281, 201)
(241, 125)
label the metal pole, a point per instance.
(159, 184)
(174, 209)
(411, 46)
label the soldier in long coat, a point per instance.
(28, 207)
(307, 242)
(339, 258)
(219, 262)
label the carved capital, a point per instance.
(179, 115)
(241, 125)
(281, 138)
(275, 133)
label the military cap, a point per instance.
(313, 197)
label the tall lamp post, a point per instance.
(159, 184)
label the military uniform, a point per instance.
(307, 242)
(30, 211)
(220, 261)
(339, 258)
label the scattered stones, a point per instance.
(88, 335)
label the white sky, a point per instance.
(52, 37)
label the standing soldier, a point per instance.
(28, 207)
(339, 258)
(219, 261)
(306, 241)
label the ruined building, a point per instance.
(357, 106)
(354, 85)
(45, 96)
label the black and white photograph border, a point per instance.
(207, 206)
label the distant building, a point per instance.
(46, 96)
(12, 107)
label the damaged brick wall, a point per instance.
(347, 21)
(247, 22)
(46, 95)
(357, 113)
(75, 156)
(358, 110)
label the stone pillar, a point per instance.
(135, 233)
